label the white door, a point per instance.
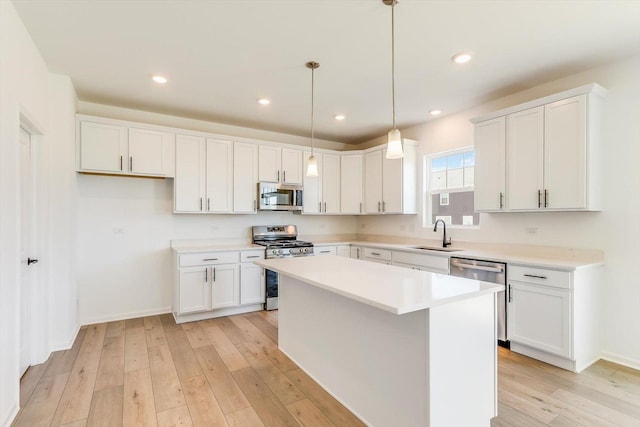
(219, 182)
(291, 166)
(373, 182)
(194, 290)
(489, 170)
(351, 184)
(331, 183)
(225, 284)
(245, 177)
(146, 149)
(26, 248)
(189, 183)
(525, 137)
(252, 286)
(269, 163)
(391, 184)
(103, 147)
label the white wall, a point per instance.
(25, 85)
(125, 225)
(616, 230)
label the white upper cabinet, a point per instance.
(331, 183)
(490, 169)
(219, 181)
(525, 138)
(245, 177)
(390, 185)
(351, 170)
(115, 147)
(553, 155)
(283, 165)
(190, 180)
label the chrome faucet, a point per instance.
(445, 242)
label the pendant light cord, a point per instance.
(393, 64)
(312, 115)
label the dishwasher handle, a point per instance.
(477, 267)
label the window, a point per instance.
(448, 184)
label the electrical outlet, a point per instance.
(532, 230)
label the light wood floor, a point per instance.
(229, 372)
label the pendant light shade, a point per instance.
(394, 140)
(312, 163)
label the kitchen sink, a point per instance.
(435, 248)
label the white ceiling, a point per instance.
(221, 55)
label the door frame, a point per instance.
(38, 291)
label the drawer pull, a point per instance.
(535, 276)
(325, 252)
(375, 253)
(210, 259)
(253, 256)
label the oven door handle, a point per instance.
(477, 267)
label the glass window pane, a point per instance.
(468, 177)
(439, 180)
(469, 159)
(438, 164)
(455, 178)
(454, 161)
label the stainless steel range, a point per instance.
(280, 241)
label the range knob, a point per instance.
(279, 251)
(308, 250)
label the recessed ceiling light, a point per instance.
(461, 58)
(435, 112)
(339, 117)
(264, 101)
(159, 79)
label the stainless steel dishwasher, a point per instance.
(487, 271)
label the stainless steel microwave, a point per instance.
(279, 197)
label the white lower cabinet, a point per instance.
(356, 252)
(421, 261)
(343, 250)
(214, 284)
(382, 256)
(554, 315)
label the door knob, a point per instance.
(31, 261)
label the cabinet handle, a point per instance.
(325, 207)
(120, 162)
(545, 197)
(206, 275)
(539, 203)
(360, 207)
(131, 164)
(509, 291)
(278, 172)
(535, 276)
(210, 259)
(378, 206)
(501, 200)
(214, 274)
(375, 253)
(358, 252)
(284, 176)
(200, 203)
(325, 252)
(384, 206)
(320, 207)
(253, 256)
(254, 205)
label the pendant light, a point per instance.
(394, 140)
(312, 163)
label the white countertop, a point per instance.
(395, 289)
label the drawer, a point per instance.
(324, 250)
(249, 256)
(375, 253)
(540, 276)
(209, 258)
(430, 261)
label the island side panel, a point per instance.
(372, 361)
(463, 362)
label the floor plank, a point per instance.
(135, 342)
(175, 417)
(106, 408)
(225, 348)
(203, 407)
(111, 368)
(138, 409)
(166, 385)
(30, 380)
(265, 327)
(244, 418)
(43, 403)
(308, 414)
(154, 331)
(61, 362)
(184, 358)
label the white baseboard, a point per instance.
(66, 345)
(124, 316)
(621, 360)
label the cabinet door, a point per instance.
(565, 142)
(252, 284)
(331, 183)
(343, 251)
(391, 185)
(219, 182)
(193, 290)
(356, 252)
(291, 166)
(189, 183)
(540, 318)
(312, 193)
(325, 250)
(146, 151)
(245, 177)
(269, 165)
(373, 182)
(103, 147)
(489, 170)
(525, 136)
(351, 184)
(225, 282)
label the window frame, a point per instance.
(427, 192)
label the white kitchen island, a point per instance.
(398, 347)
